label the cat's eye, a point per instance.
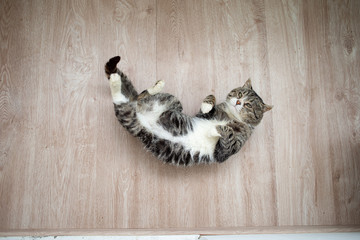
(248, 105)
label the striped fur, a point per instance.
(213, 135)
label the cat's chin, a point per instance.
(233, 113)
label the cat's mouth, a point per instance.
(232, 112)
(237, 108)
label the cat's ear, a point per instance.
(267, 107)
(248, 84)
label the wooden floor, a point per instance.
(65, 162)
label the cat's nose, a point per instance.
(238, 102)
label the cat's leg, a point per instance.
(159, 85)
(127, 88)
(208, 104)
(116, 89)
(229, 143)
(226, 132)
(172, 119)
(207, 108)
(175, 122)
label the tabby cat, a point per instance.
(213, 135)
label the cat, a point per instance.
(213, 135)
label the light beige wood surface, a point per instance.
(182, 231)
(66, 163)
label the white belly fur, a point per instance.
(202, 139)
(204, 136)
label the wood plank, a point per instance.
(183, 231)
(211, 48)
(124, 169)
(316, 144)
(58, 116)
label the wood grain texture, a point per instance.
(312, 68)
(181, 231)
(66, 163)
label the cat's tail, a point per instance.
(110, 66)
(127, 88)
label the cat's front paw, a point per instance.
(225, 131)
(208, 104)
(206, 107)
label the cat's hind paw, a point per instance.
(115, 87)
(159, 85)
(115, 79)
(115, 83)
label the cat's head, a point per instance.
(246, 105)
